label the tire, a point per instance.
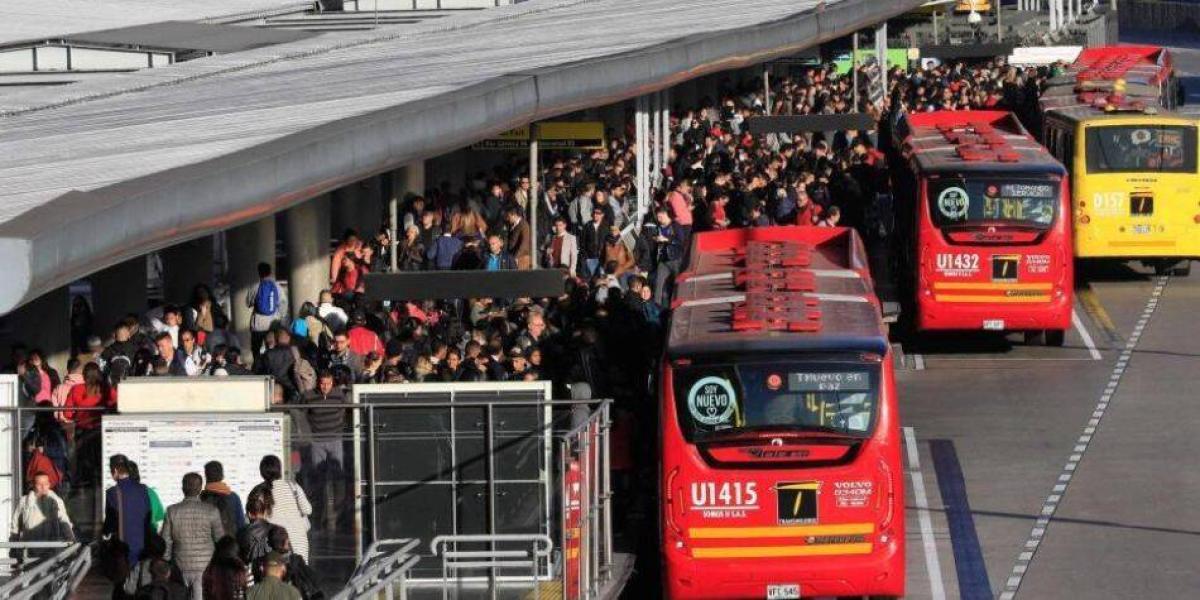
(1162, 268)
(1182, 269)
(1056, 337)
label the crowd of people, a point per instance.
(620, 266)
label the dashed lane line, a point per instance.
(1038, 533)
(933, 566)
(919, 361)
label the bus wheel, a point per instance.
(1183, 268)
(1056, 337)
(1035, 338)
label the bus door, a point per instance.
(994, 254)
(783, 465)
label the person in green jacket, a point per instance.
(157, 512)
(272, 586)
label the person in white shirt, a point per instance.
(41, 515)
(333, 316)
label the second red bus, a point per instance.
(984, 226)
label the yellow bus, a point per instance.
(1133, 162)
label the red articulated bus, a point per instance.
(984, 226)
(780, 473)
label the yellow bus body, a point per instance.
(1104, 224)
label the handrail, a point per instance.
(375, 574)
(61, 572)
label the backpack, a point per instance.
(266, 299)
(222, 503)
(303, 372)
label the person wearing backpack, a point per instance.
(217, 493)
(266, 301)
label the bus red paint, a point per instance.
(780, 473)
(984, 225)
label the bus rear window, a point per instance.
(1141, 148)
(989, 200)
(714, 400)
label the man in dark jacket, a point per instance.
(591, 243)
(126, 509)
(497, 258)
(217, 493)
(668, 254)
(279, 361)
(326, 454)
(519, 244)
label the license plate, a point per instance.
(1141, 205)
(1143, 229)
(783, 591)
(993, 324)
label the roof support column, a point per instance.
(116, 292)
(406, 181)
(44, 324)
(344, 212)
(186, 265)
(247, 245)
(664, 136)
(369, 199)
(642, 130)
(308, 250)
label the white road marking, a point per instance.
(933, 566)
(1087, 337)
(1013, 584)
(918, 362)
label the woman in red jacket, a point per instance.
(92, 393)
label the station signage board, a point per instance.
(552, 135)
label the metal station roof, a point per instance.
(55, 19)
(188, 35)
(101, 171)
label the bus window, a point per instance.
(719, 400)
(980, 200)
(1139, 148)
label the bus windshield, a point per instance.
(958, 201)
(1141, 148)
(716, 400)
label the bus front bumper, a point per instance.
(934, 315)
(880, 573)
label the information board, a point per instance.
(167, 446)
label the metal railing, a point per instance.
(382, 571)
(491, 559)
(585, 505)
(53, 577)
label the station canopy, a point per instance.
(108, 169)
